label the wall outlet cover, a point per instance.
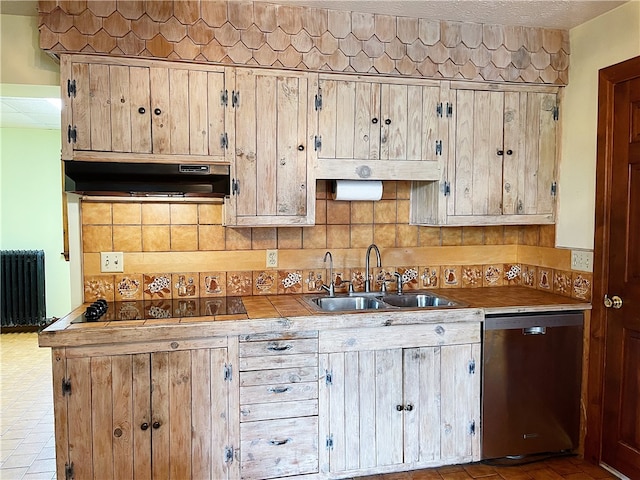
(272, 258)
(111, 262)
(582, 260)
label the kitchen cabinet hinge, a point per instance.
(439, 109)
(449, 109)
(66, 386)
(328, 377)
(438, 147)
(472, 367)
(224, 98)
(556, 113)
(224, 141)
(68, 471)
(554, 189)
(228, 372)
(472, 427)
(235, 99)
(228, 454)
(235, 187)
(71, 88)
(72, 134)
(319, 100)
(446, 189)
(317, 144)
(329, 442)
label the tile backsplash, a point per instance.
(181, 250)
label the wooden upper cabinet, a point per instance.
(378, 128)
(272, 182)
(502, 162)
(142, 110)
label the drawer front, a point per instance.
(285, 392)
(270, 411)
(278, 347)
(278, 448)
(279, 361)
(278, 375)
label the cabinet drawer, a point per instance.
(285, 392)
(279, 448)
(278, 347)
(278, 361)
(278, 375)
(270, 411)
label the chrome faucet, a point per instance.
(332, 286)
(399, 278)
(367, 282)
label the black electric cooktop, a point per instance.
(103, 311)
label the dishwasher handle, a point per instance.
(534, 331)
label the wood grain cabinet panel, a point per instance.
(142, 110)
(388, 409)
(272, 184)
(146, 415)
(502, 161)
(376, 128)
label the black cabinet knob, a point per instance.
(156, 425)
(141, 110)
(374, 120)
(144, 426)
(387, 121)
(509, 152)
(409, 407)
(301, 148)
(500, 152)
(399, 408)
(157, 111)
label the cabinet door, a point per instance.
(378, 129)
(274, 185)
(159, 415)
(141, 107)
(460, 403)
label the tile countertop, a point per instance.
(290, 313)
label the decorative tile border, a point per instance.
(260, 33)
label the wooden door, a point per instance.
(621, 399)
(460, 403)
(144, 416)
(271, 171)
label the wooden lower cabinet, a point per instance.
(144, 415)
(398, 398)
(278, 405)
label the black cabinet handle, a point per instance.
(156, 425)
(387, 121)
(509, 152)
(157, 111)
(279, 442)
(500, 152)
(399, 408)
(301, 148)
(279, 389)
(279, 348)
(141, 110)
(144, 426)
(374, 120)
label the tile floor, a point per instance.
(27, 442)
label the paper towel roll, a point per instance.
(357, 190)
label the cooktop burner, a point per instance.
(103, 311)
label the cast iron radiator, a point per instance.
(22, 295)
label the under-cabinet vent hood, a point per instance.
(146, 179)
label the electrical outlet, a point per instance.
(272, 258)
(111, 262)
(582, 260)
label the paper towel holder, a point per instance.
(377, 195)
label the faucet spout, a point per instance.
(367, 282)
(332, 286)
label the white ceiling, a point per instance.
(25, 112)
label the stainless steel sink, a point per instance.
(418, 301)
(342, 304)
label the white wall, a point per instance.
(601, 42)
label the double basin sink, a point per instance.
(381, 302)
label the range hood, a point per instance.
(146, 179)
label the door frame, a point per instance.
(608, 78)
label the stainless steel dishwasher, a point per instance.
(531, 378)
